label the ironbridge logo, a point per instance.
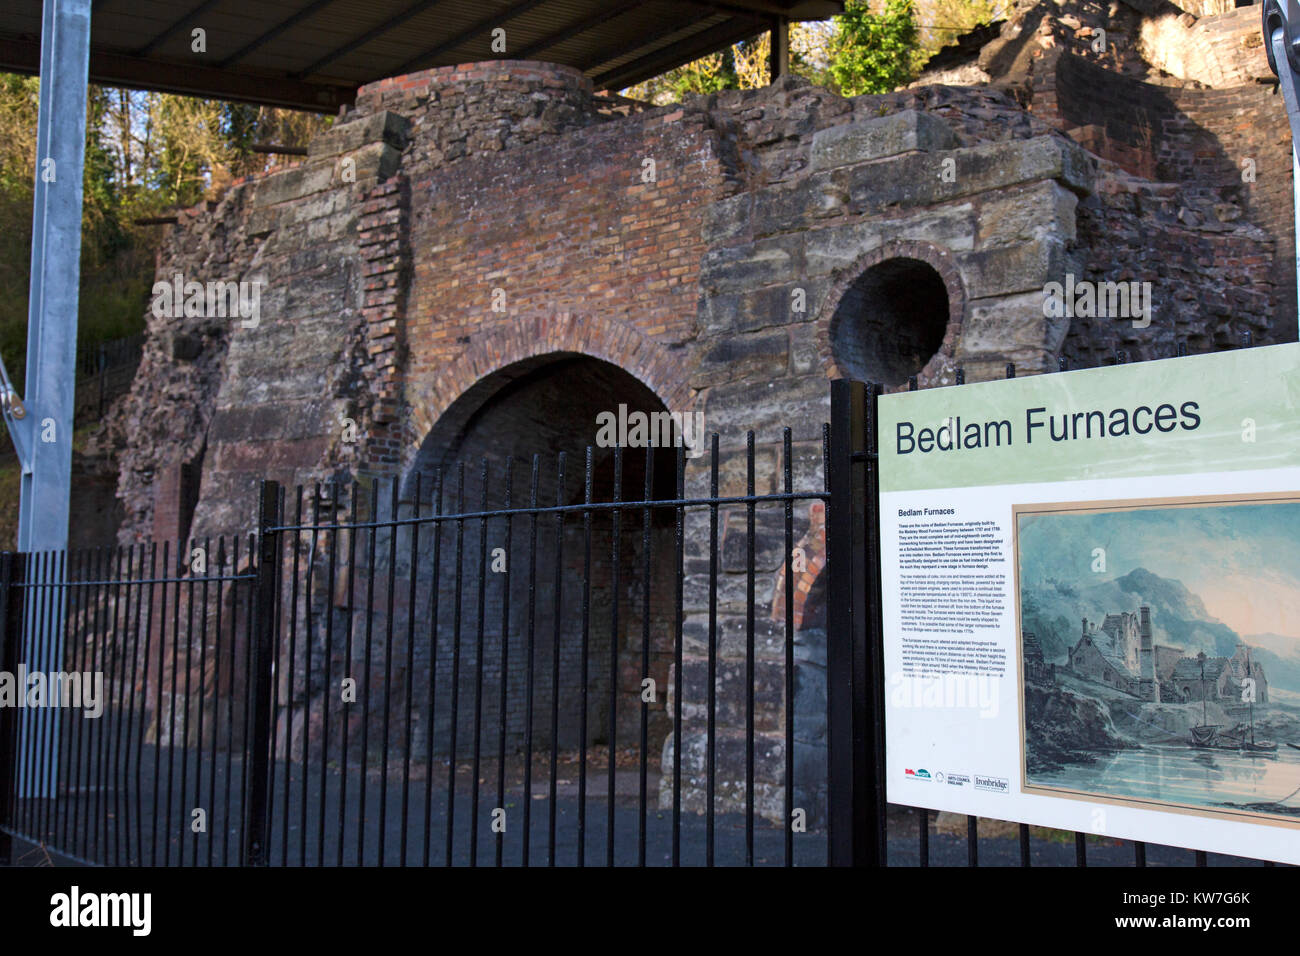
(216, 299)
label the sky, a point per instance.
(1242, 561)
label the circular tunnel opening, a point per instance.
(890, 322)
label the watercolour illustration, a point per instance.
(1160, 653)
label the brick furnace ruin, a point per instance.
(480, 260)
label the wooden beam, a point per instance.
(23, 55)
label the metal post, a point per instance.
(1281, 25)
(855, 813)
(779, 56)
(42, 425)
(55, 267)
(11, 626)
(257, 806)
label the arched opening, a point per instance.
(559, 634)
(890, 321)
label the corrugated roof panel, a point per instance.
(380, 38)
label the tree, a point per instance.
(874, 53)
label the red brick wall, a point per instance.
(589, 256)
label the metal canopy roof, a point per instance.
(313, 54)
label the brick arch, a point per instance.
(527, 343)
(939, 259)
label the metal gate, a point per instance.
(624, 662)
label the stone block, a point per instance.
(1037, 211)
(880, 137)
(728, 219)
(1011, 324)
(1023, 267)
(787, 207)
(757, 354)
(381, 127)
(931, 178)
(753, 265)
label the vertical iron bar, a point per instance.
(413, 564)
(531, 650)
(502, 713)
(481, 612)
(388, 673)
(455, 659)
(555, 659)
(188, 702)
(158, 706)
(259, 753)
(433, 660)
(328, 688)
(216, 704)
(615, 543)
(365, 682)
(1024, 844)
(679, 542)
(855, 815)
(250, 702)
(923, 828)
(787, 451)
(295, 544)
(347, 674)
(76, 616)
(586, 640)
(711, 755)
(749, 653)
(309, 638)
(203, 672)
(646, 545)
(230, 701)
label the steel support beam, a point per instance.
(55, 273)
(46, 427)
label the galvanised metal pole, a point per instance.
(56, 256)
(45, 430)
(1281, 22)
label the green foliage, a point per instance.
(145, 154)
(874, 53)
